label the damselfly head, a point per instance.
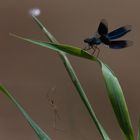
(87, 40)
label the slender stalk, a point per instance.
(75, 81)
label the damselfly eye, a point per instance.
(86, 40)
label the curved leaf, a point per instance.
(38, 131)
(113, 87)
(117, 100)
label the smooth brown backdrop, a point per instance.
(29, 71)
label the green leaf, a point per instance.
(38, 131)
(115, 93)
(117, 99)
(60, 47)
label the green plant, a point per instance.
(114, 90)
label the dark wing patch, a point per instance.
(119, 32)
(119, 44)
(103, 27)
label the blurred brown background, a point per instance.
(29, 71)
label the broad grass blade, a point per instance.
(115, 93)
(117, 100)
